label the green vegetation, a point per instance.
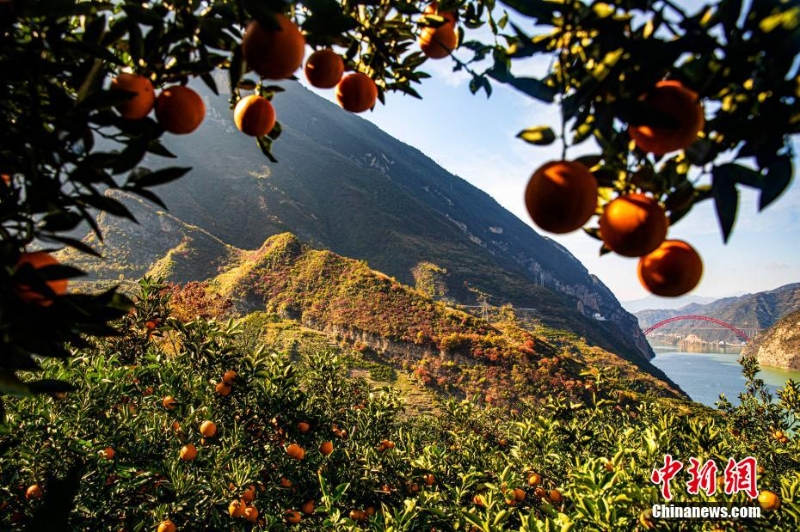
(452, 471)
(445, 348)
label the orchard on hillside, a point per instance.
(669, 98)
(298, 443)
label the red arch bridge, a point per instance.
(740, 333)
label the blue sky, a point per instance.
(474, 137)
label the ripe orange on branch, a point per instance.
(561, 196)
(180, 110)
(236, 509)
(208, 429)
(188, 452)
(324, 68)
(274, 53)
(33, 492)
(141, 103)
(40, 259)
(769, 500)
(254, 116)
(672, 270)
(437, 43)
(633, 225)
(679, 102)
(295, 451)
(229, 377)
(166, 526)
(356, 92)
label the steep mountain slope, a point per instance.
(756, 311)
(445, 347)
(344, 185)
(778, 346)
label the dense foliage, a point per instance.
(119, 442)
(64, 143)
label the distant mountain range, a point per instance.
(344, 185)
(664, 303)
(750, 311)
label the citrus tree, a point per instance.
(667, 95)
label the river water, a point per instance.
(704, 376)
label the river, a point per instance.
(704, 376)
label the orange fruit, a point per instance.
(170, 403)
(540, 492)
(40, 259)
(769, 500)
(249, 495)
(561, 196)
(208, 429)
(236, 509)
(166, 526)
(633, 225)
(681, 103)
(519, 494)
(388, 444)
(326, 448)
(478, 500)
(254, 116)
(295, 451)
(303, 426)
(6, 179)
(534, 479)
(356, 92)
(108, 453)
(229, 377)
(555, 496)
(292, 516)
(274, 53)
(286, 483)
(437, 43)
(429, 479)
(369, 511)
(308, 507)
(778, 434)
(180, 110)
(33, 492)
(140, 105)
(223, 388)
(251, 514)
(672, 270)
(188, 452)
(324, 69)
(358, 515)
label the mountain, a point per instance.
(750, 311)
(664, 303)
(778, 346)
(344, 185)
(445, 347)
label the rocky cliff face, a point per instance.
(778, 346)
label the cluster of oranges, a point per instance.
(179, 109)
(561, 197)
(277, 53)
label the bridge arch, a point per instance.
(740, 333)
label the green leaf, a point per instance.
(265, 144)
(726, 200)
(159, 177)
(534, 88)
(540, 136)
(779, 176)
(540, 10)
